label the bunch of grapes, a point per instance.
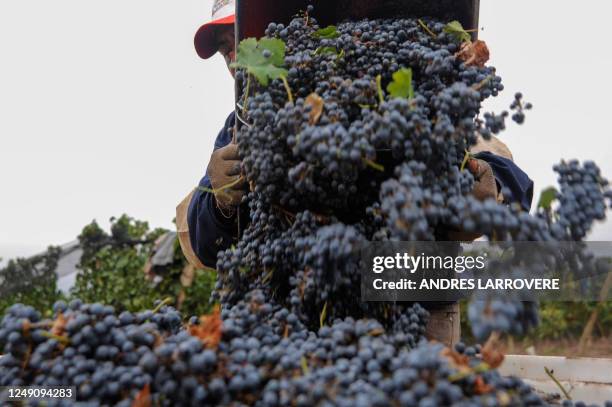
(254, 353)
(371, 145)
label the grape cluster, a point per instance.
(583, 199)
(502, 315)
(87, 346)
(263, 356)
(349, 162)
(519, 107)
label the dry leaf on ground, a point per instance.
(316, 102)
(210, 329)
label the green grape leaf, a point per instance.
(456, 30)
(277, 47)
(326, 50)
(251, 57)
(547, 197)
(328, 33)
(401, 86)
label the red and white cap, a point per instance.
(223, 12)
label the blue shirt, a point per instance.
(517, 185)
(211, 232)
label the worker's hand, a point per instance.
(225, 178)
(485, 187)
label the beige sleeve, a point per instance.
(183, 232)
(494, 146)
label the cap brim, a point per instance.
(204, 40)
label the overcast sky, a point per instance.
(106, 109)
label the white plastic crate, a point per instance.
(585, 379)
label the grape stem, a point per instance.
(466, 159)
(62, 339)
(482, 83)
(550, 374)
(166, 301)
(268, 276)
(305, 369)
(460, 375)
(240, 119)
(427, 30)
(381, 96)
(223, 188)
(323, 315)
(285, 212)
(319, 217)
(246, 93)
(372, 164)
(288, 89)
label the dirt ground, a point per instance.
(597, 348)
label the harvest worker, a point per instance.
(207, 223)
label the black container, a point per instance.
(253, 16)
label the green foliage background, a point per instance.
(111, 272)
(30, 281)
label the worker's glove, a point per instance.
(485, 187)
(225, 177)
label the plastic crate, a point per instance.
(585, 379)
